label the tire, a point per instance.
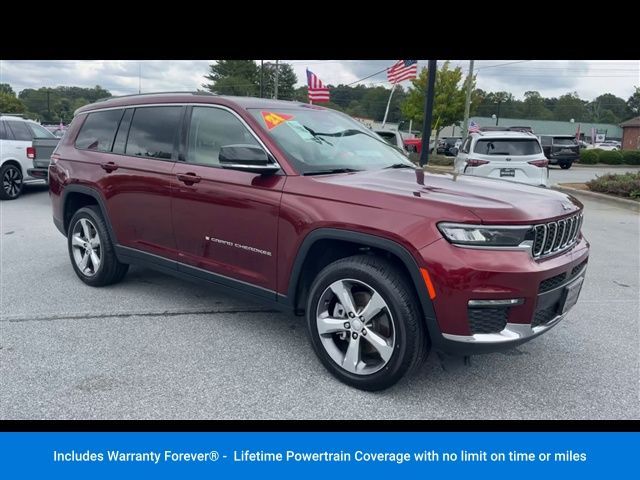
(398, 323)
(85, 227)
(12, 181)
(565, 166)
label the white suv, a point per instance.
(507, 155)
(16, 137)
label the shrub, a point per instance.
(631, 157)
(589, 157)
(612, 157)
(624, 185)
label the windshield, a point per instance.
(320, 140)
(507, 147)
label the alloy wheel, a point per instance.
(12, 181)
(87, 250)
(356, 326)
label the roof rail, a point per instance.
(155, 93)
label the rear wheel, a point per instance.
(565, 166)
(365, 323)
(91, 251)
(12, 182)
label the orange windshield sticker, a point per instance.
(272, 120)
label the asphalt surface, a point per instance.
(155, 347)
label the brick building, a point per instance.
(631, 134)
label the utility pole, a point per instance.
(467, 102)
(48, 102)
(428, 113)
(139, 77)
(261, 77)
(275, 86)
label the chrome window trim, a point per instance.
(191, 104)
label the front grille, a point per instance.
(487, 320)
(553, 282)
(544, 316)
(553, 237)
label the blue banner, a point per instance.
(317, 455)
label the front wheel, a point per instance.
(364, 322)
(12, 182)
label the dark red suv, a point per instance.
(302, 207)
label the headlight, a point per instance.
(487, 235)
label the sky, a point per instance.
(552, 78)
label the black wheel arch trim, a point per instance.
(371, 241)
(92, 192)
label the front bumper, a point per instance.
(463, 274)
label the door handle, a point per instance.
(109, 166)
(188, 178)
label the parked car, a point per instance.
(415, 145)
(610, 145)
(393, 137)
(445, 145)
(560, 150)
(17, 152)
(504, 155)
(306, 210)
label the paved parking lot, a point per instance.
(154, 347)
(578, 174)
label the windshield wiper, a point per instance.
(331, 170)
(315, 135)
(400, 165)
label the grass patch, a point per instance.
(434, 159)
(626, 185)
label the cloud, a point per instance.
(121, 77)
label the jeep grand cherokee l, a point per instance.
(302, 207)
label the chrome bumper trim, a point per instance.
(511, 333)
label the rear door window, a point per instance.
(153, 132)
(98, 131)
(4, 134)
(498, 146)
(20, 130)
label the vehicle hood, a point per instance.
(492, 201)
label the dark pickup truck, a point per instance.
(560, 150)
(40, 153)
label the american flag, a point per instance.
(317, 91)
(473, 127)
(402, 70)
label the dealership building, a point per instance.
(551, 127)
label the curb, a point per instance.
(620, 202)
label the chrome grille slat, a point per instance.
(553, 237)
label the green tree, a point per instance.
(234, 77)
(449, 98)
(633, 104)
(10, 103)
(287, 80)
(571, 106)
(6, 88)
(534, 107)
(616, 106)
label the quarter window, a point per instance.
(98, 131)
(40, 132)
(211, 129)
(153, 132)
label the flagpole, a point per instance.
(386, 112)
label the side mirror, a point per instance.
(454, 151)
(246, 158)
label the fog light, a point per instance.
(507, 302)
